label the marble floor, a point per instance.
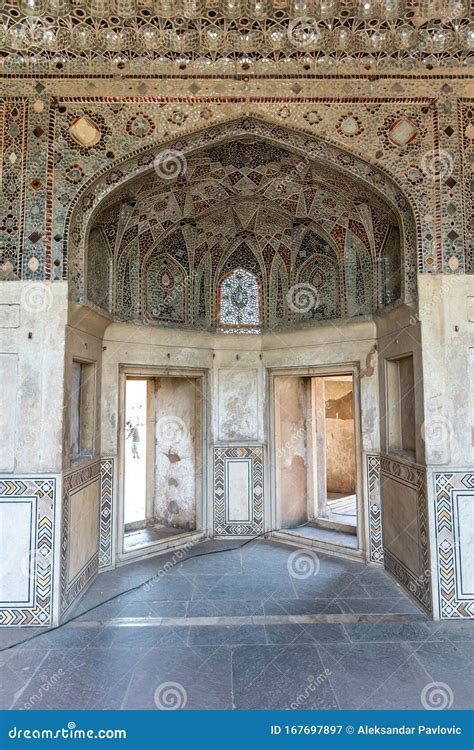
(258, 627)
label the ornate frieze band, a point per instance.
(39, 493)
(454, 496)
(418, 584)
(248, 460)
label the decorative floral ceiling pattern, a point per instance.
(215, 37)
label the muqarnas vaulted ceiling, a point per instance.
(318, 243)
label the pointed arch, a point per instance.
(99, 270)
(317, 294)
(202, 285)
(278, 293)
(239, 304)
(314, 149)
(164, 285)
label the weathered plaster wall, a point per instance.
(291, 450)
(32, 347)
(447, 333)
(178, 471)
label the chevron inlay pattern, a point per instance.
(72, 483)
(375, 513)
(454, 602)
(106, 511)
(41, 492)
(419, 586)
(253, 525)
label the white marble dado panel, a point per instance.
(27, 515)
(464, 515)
(454, 527)
(239, 489)
(17, 540)
(238, 404)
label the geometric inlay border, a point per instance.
(106, 511)
(70, 590)
(375, 512)
(41, 490)
(446, 486)
(418, 585)
(248, 527)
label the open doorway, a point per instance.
(315, 461)
(162, 447)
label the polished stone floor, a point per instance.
(260, 627)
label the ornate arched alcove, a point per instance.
(326, 234)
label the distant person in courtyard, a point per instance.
(134, 433)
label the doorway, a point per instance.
(162, 448)
(316, 472)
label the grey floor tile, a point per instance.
(226, 635)
(302, 607)
(224, 608)
(453, 631)
(84, 675)
(312, 633)
(452, 665)
(193, 678)
(249, 587)
(374, 676)
(383, 631)
(289, 677)
(378, 605)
